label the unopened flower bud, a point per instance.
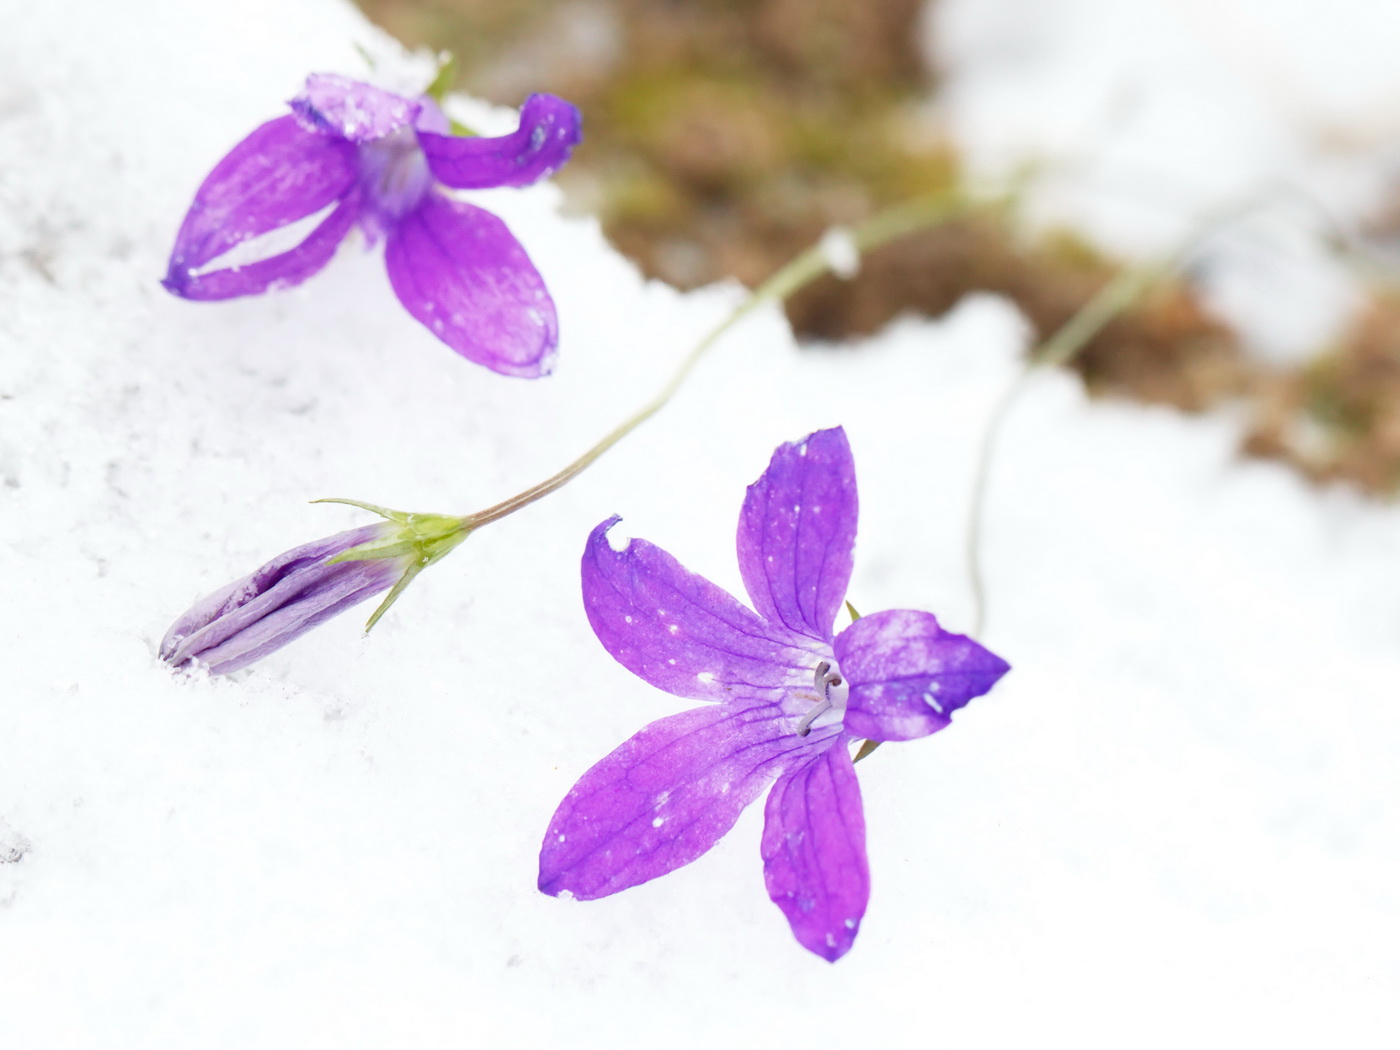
(305, 586)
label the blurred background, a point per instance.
(725, 136)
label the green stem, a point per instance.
(815, 262)
(1125, 289)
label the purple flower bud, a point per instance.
(305, 586)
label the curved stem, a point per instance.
(1116, 296)
(815, 262)
(1126, 288)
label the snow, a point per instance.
(1173, 823)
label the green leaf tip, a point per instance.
(867, 748)
(445, 79)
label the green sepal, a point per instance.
(400, 585)
(424, 537)
(363, 52)
(420, 540)
(866, 748)
(444, 80)
(852, 610)
(373, 508)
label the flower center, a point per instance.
(832, 691)
(394, 173)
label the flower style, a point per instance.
(787, 698)
(350, 154)
(305, 586)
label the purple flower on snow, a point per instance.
(786, 700)
(359, 155)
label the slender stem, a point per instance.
(1117, 295)
(1126, 288)
(878, 230)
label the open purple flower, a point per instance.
(351, 154)
(786, 698)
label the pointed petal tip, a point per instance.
(549, 128)
(909, 676)
(833, 949)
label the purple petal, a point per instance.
(461, 273)
(284, 270)
(350, 109)
(279, 174)
(279, 602)
(680, 632)
(549, 130)
(908, 675)
(814, 852)
(797, 532)
(663, 798)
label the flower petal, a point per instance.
(908, 675)
(350, 109)
(663, 798)
(279, 602)
(284, 270)
(814, 852)
(680, 632)
(287, 612)
(277, 175)
(797, 532)
(549, 130)
(461, 273)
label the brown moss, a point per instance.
(723, 137)
(1339, 418)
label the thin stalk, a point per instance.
(815, 262)
(1115, 297)
(1125, 289)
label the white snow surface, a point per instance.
(1174, 823)
(1141, 115)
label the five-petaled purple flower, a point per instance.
(354, 154)
(787, 699)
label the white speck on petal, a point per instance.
(628, 619)
(850, 924)
(705, 677)
(673, 628)
(658, 822)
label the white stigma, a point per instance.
(832, 693)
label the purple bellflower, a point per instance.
(305, 586)
(351, 154)
(786, 698)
